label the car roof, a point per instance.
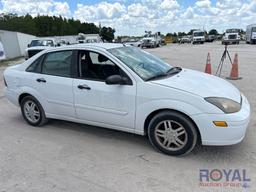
(104, 46)
(41, 39)
(98, 45)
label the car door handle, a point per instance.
(41, 80)
(84, 87)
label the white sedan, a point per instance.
(125, 88)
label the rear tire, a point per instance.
(172, 133)
(32, 111)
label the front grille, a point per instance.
(31, 53)
(146, 41)
(232, 37)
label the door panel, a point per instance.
(52, 80)
(102, 103)
(57, 92)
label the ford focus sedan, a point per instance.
(125, 88)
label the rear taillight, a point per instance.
(5, 83)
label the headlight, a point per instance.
(226, 105)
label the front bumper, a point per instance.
(148, 44)
(230, 40)
(233, 134)
(198, 39)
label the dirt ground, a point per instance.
(64, 156)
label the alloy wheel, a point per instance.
(171, 135)
(31, 111)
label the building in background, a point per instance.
(14, 43)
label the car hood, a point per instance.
(201, 84)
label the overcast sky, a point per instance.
(133, 17)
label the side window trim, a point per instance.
(77, 73)
(39, 64)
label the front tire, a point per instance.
(172, 133)
(32, 111)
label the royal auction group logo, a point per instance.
(231, 178)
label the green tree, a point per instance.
(213, 32)
(107, 34)
(51, 26)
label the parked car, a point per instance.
(231, 36)
(134, 43)
(198, 37)
(251, 34)
(210, 38)
(125, 88)
(88, 38)
(38, 45)
(185, 39)
(63, 42)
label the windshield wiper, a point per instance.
(157, 76)
(174, 70)
(171, 71)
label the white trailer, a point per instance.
(251, 34)
(14, 43)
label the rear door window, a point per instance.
(58, 63)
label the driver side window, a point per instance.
(95, 66)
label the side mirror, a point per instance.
(28, 45)
(116, 80)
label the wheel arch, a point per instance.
(23, 95)
(152, 114)
(28, 91)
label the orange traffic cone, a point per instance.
(208, 67)
(234, 70)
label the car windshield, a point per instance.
(254, 29)
(41, 43)
(142, 63)
(197, 34)
(232, 30)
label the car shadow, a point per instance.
(207, 153)
(100, 132)
(221, 154)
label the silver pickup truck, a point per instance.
(38, 45)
